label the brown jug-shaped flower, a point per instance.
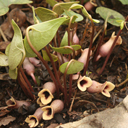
(49, 111)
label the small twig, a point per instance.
(2, 34)
(122, 83)
(70, 109)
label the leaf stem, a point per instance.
(65, 87)
(43, 61)
(98, 47)
(24, 86)
(26, 79)
(70, 88)
(54, 68)
(90, 46)
(69, 26)
(101, 40)
(106, 60)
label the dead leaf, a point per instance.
(6, 120)
(18, 16)
(3, 45)
(4, 111)
(4, 76)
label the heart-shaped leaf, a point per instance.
(5, 3)
(66, 49)
(114, 17)
(84, 11)
(13, 73)
(74, 67)
(60, 7)
(64, 41)
(7, 49)
(46, 57)
(51, 2)
(124, 1)
(71, 13)
(45, 14)
(16, 49)
(42, 33)
(34, 16)
(3, 59)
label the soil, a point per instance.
(84, 103)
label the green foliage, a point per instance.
(124, 1)
(115, 18)
(66, 49)
(13, 73)
(46, 57)
(16, 49)
(64, 41)
(71, 13)
(41, 34)
(45, 14)
(3, 59)
(51, 2)
(74, 67)
(84, 11)
(60, 7)
(5, 3)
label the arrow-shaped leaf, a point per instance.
(3, 59)
(46, 57)
(16, 48)
(13, 73)
(74, 67)
(42, 33)
(66, 49)
(84, 11)
(51, 2)
(60, 7)
(5, 3)
(71, 13)
(45, 14)
(114, 16)
(124, 1)
(64, 41)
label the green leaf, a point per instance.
(34, 17)
(3, 59)
(84, 11)
(46, 57)
(45, 14)
(51, 2)
(124, 1)
(122, 25)
(71, 13)
(5, 3)
(17, 50)
(42, 33)
(76, 6)
(66, 49)
(7, 49)
(74, 67)
(114, 16)
(60, 7)
(13, 73)
(64, 41)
